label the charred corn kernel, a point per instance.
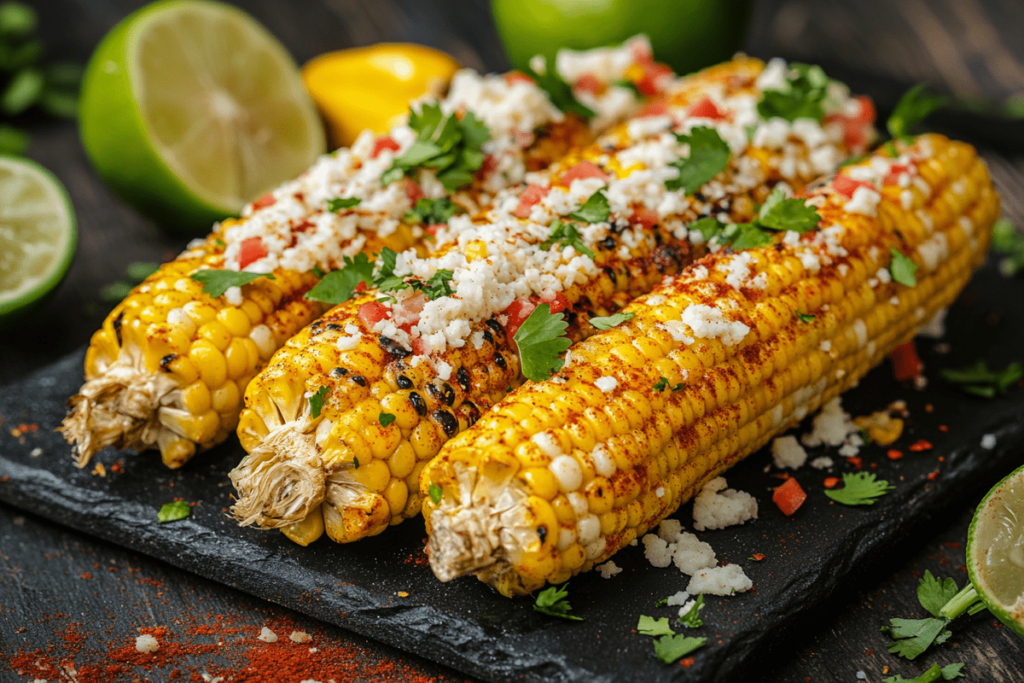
(760, 369)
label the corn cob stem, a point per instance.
(619, 462)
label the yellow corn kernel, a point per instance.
(374, 475)
(209, 361)
(402, 460)
(225, 398)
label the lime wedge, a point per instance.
(37, 235)
(191, 108)
(995, 550)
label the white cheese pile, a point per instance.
(146, 644)
(717, 507)
(695, 558)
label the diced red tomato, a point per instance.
(530, 196)
(644, 217)
(831, 482)
(361, 287)
(432, 229)
(867, 109)
(419, 347)
(856, 461)
(381, 144)
(517, 312)
(590, 83)
(513, 77)
(558, 303)
(653, 109)
(641, 53)
(413, 191)
(650, 84)
(905, 362)
(584, 169)
(264, 201)
(250, 250)
(895, 171)
(372, 312)
(846, 186)
(789, 497)
(489, 165)
(706, 109)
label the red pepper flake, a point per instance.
(758, 557)
(933, 476)
(894, 454)
(929, 408)
(920, 445)
(86, 575)
(117, 467)
(943, 428)
(856, 462)
(687, 662)
(831, 482)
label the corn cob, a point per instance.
(346, 465)
(169, 365)
(564, 473)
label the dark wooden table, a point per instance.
(78, 596)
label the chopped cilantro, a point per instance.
(692, 618)
(172, 512)
(541, 340)
(610, 321)
(671, 648)
(911, 637)
(913, 108)
(936, 673)
(318, 271)
(933, 593)
(568, 236)
(801, 97)
(631, 86)
(445, 143)
(594, 210)
(862, 488)
(661, 384)
(385, 419)
(750, 237)
(978, 380)
(316, 400)
(435, 492)
(709, 154)
(1009, 242)
(432, 211)
(708, 227)
(661, 603)
(805, 317)
(678, 387)
(902, 268)
(216, 282)
(779, 213)
(340, 203)
(339, 285)
(649, 626)
(386, 280)
(439, 284)
(554, 602)
(856, 159)
(355, 463)
(559, 92)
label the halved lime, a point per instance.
(37, 235)
(191, 108)
(995, 550)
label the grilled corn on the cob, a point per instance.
(170, 364)
(399, 378)
(564, 473)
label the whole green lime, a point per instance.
(190, 108)
(686, 34)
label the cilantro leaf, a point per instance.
(661, 384)
(780, 213)
(750, 237)
(708, 227)
(541, 342)
(862, 488)
(977, 379)
(568, 236)
(594, 210)
(385, 419)
(439, 284)
(339, 285)
(933, 593)
(805, 317)
(800, 98)
(172, 512)
(913, 108)
(671, 648)
(945, 673)
(316, 400)
(610, 321)
(709, 154)
(692, 617)
(445, 143)
(559, 92)
(216, 282)
(661, 603)
(386, 280)
(342, 203)
(432, 211)
(1009, 242)
(435, 492)
(553, 602)
(914, 636)
(649, 626)
(902, 268)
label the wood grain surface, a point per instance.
(969, 47)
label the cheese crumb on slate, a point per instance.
(300, 637)
(717, 507)
(822, 463)
(672, 545)
(267, 636)
(609, 569)
(720, 581)
(988, 442)
(833, 427)
(146, 644)
(787, 452)
(686, 608)
(679, 598)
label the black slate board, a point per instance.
(464, 624)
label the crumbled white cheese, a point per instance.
(685, 609)
(988, 442)
(146, 644)
(678, 599)
(934, 328)
(609, 569)
(822, 462)
(787, 452)
(865, 201)
(831, 426)
(233, 295)
(717, 507)
(707, 322)
(672, 545)
(606, 384)
(725, 580)
(300, 637)
(267, 636)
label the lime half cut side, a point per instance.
(191, 108)
(37, 235)
(995, 551)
